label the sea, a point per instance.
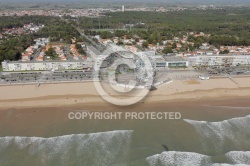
(209, 133)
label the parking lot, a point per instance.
(225, 70)
(48, 76)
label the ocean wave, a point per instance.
(104, 148)
(179, 159)
(238, 158)
(216, 136)
(230, 165)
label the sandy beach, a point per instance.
(82, 93)
(29, 111)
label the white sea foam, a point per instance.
(239, 157)
(179, 159)
(194, 159)
(5, 142)
(104, 148)
(230, 165)
(216, 136)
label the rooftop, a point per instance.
(7, 61)
(221, 55)
(173, 58)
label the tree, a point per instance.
(51, 53)
(174, 46)
(120, 42)
(167, 50)
(224, 52)
(191, 48)
(78, 46)
(145, 44)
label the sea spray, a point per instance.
(104, 148)
(194, 159)
(179, 159)
(230, 165)
(215, 136)
(238, 157)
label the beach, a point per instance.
(84, 93)
(34, 122)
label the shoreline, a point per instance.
(84, 93)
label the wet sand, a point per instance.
(54, 121)
(31, 110)
(148, 135)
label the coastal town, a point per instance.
(197, 54)
(67, 52)
(45, 55)
(16, 31)
(98, 12)
(124, 83)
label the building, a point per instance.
(167, 61)
(219, 60)
(175, 61)
(45, 65)
(160, 62)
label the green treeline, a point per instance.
(154, 37)
(58, 30)
(12, 49)
(15, 21)
(232, 23)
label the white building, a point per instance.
(219, 60)
(45, 65)
(175, 61)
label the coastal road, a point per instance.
(45, 76)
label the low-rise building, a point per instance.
(176, 61)
(160, 63)
(169, 61)
(219, 60)
(45, 65)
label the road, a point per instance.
(67, 52)
(47, 76)
(35, 55)
(81, 32)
